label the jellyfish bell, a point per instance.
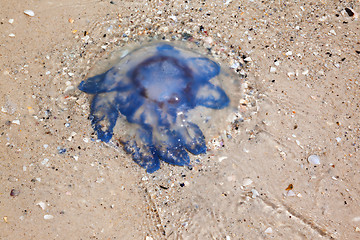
(160, 100)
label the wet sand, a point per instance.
(300, 76)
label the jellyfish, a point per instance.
(153, 88)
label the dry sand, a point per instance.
(301, 98)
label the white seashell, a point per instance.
(29, 13)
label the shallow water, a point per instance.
(255, 180)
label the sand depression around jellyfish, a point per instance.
(158, 93)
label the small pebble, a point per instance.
(61, 150)
(248, 59)
(306, 71)
(255, 193)
(272, 69)
(289, 53)
(11, 35)
(14, 193)
(48, 217)
(290, 193)
(45, 161)
(314, 159)
(16, 122)
(269, 230)
(12, 179)
(11, 21)
(247, 182)
(29, 13)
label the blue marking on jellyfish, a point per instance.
(154, 87)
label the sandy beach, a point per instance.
(285, 165)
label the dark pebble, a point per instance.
(14, 193)
(349, 12)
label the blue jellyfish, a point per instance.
(154, 87)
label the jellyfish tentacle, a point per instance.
(169, 146)
(142, 150)
(192, 138)
(104, 115)
(109, 81)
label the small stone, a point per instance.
(290, 74)
(350, 12)
(174, 18)
(269, 230)
(248, 59)
(45, 161)
(11, 35)
(272, 69)
(11, 21)
(289, 53)
(235, 65)
(16, 122)
(48, 217)
(12, 179)
(314, 159)
(306, 71)
(255, 193)
(14, 192)
(29, 13)
(247, 182)
(332, 31)
(290, 193)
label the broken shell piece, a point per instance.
(29, 13)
